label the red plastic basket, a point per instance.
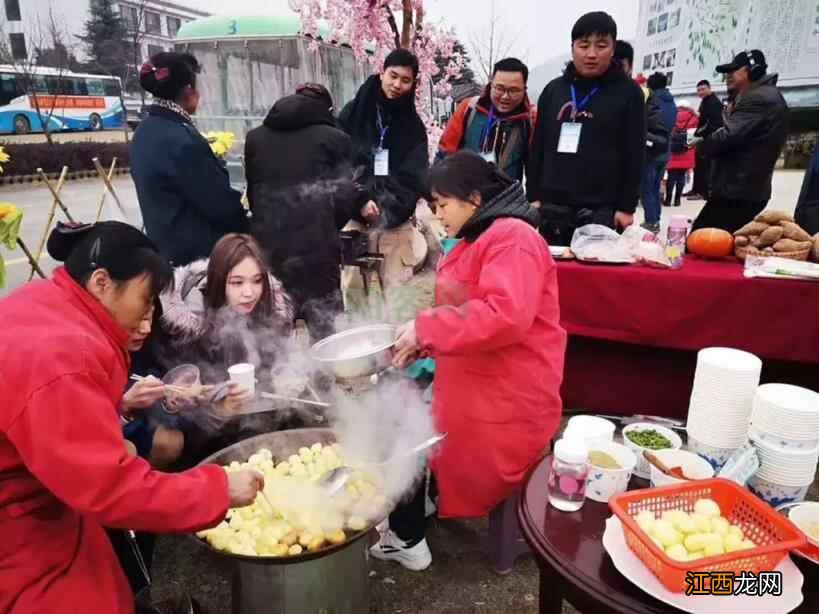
(773, 533)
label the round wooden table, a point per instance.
(574, 566)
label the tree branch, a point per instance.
(406, 26)
(393, 25)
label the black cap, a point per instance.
(744, 59)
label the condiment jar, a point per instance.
(567, 478)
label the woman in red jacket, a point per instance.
(64, 469)
(498, 345)
(682, 160)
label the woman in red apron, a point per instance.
(65, 472)
(498, 345)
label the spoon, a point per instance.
(674, 472)
(336, 479)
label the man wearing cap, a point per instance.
(745, 150)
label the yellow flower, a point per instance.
(220, 142)
(4, 157)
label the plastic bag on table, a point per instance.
(599, 243)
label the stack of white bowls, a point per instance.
(725, 383)
(785, 432)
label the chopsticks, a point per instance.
(170, 387)
(278, 397)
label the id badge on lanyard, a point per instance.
(381, 165)
(490, 155)
(381, 157)
(569, 141)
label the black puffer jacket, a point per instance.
(301, 193)
(746, 148)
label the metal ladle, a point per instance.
(336, 479)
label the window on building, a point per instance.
(153, 25)
(130, 15)
(154, 49)
(13, 10)
(18, 46)
(174, 23)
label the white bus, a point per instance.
(79, 101)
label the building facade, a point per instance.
(152, 24)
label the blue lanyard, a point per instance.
(382, 129)
(576, 108)
(487, 130)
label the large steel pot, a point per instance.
(356, 353)
(334, 580)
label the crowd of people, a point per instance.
(86, 428)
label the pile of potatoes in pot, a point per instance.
(774, 233)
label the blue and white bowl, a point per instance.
(716, 456)
(782, 443)
(776, 494)
(603, 484)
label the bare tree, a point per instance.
(494, 42)
(46, 39)
(136, 35)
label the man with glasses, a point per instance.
(499, 124)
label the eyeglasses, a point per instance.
(502, 91)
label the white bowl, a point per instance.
(774, 440)
(643, 469)
(803, 515)
(714, 455)
(602, 484)
(590, 429)
(694, 466)
(776, 494)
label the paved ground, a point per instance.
(82, 199)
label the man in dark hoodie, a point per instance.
(745, 150)
(658, 147)
(301, 193)
(589, 142)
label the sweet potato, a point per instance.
(752, 229)
(771, 235)
(795, 232)
(789, 245)
(745, 242)
(774, 217)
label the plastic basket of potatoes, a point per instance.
(774, 233)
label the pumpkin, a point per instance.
(711, 243)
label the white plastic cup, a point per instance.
(244, 374)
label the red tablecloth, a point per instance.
(635, 330)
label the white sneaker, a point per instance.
(391, 548)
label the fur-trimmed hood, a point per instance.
(185, 316)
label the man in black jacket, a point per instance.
(710, 121)
(301, 192)
(389, 139)
(745, 150)
(590, 137)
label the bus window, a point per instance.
(112, 88)
(9, 88)
(80, 86)
(95, 87)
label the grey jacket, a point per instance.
(746, 148)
